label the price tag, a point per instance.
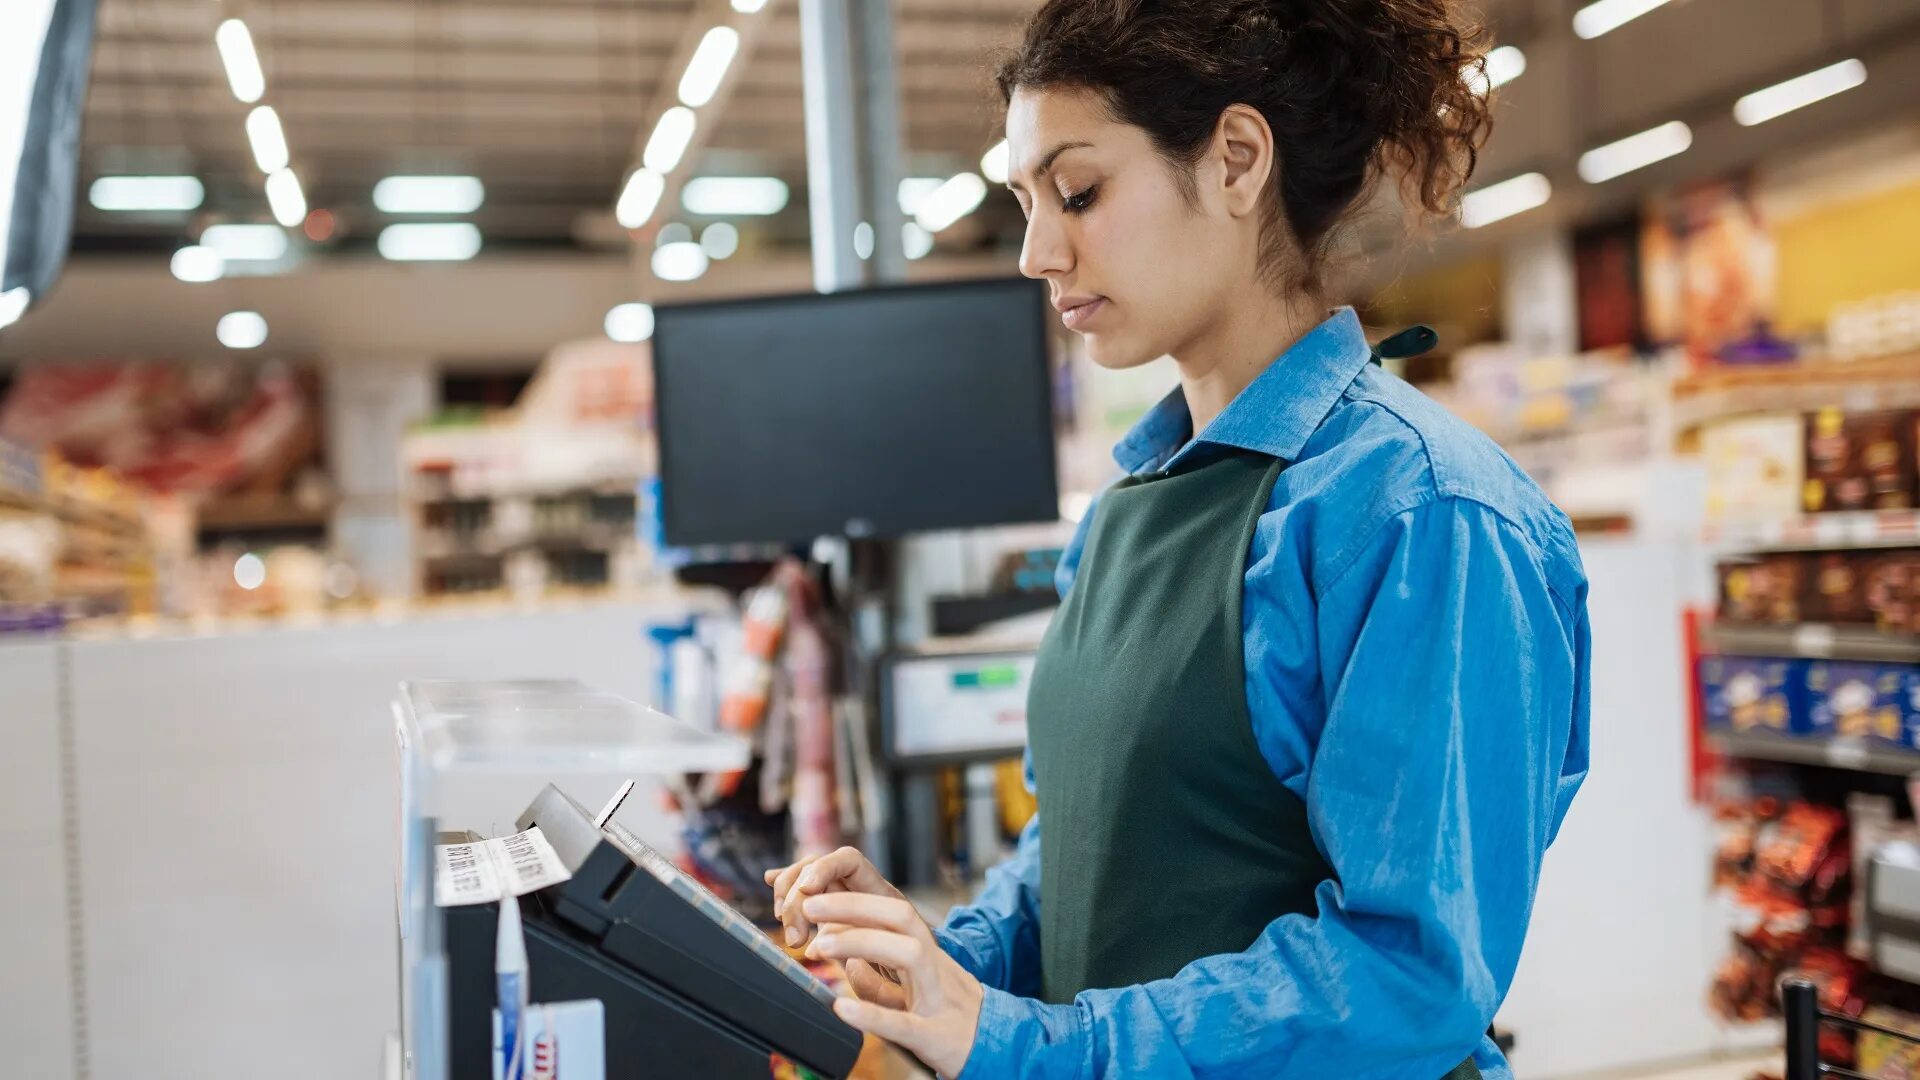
(1813, 639)
(1847, 755)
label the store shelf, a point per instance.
(1820, 532)
(1814, 641)
(1853, 754)
(1855, 385)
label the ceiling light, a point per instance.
(1502, 66)
(1782, 98)
(673, 232)
(639, 198)
(268, 139)
(241, 330)
(669, 140)
(289, 203)
(708, 65)
(249, 571)
(197, 265)
(993, 163)
(915, 241)
(915, 189)
(429, 195)
(683, 261)
(952, 201)
(734, 196)
(1603, 163)
(719, 240)
(1603, 16)
(245, 243)
(863, 240)
(445, 242)
(748, 7)
(147, 193)
(1504, 199)
(241, 61)
(630, 323)
(13, 304)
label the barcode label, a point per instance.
(492, 869)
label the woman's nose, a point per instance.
(1044, 251)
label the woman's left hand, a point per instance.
(925, 1003)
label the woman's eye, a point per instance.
(1074, 204)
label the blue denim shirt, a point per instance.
(1417, 661)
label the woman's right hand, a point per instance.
(843, 870)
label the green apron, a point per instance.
(1167, 837)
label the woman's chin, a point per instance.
(1116, 354)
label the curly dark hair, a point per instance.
(1351, 88)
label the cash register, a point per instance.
(687, 986)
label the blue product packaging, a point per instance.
(1852, 699)
(1746, 693)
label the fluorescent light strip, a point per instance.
(237, 55)
(719, 240)
(429, 195)
(669, 140)
(915, 241)
(953, 200)
(995, 162)
(268, 139)
(13, 304)
(444, 242)
(246, 243)
(150, 194)
(289, 203)
(680, 261)
(1605, 16)
(708, 65)
(748, 7)
(1503, 65)
(734, 196)
(630, 322)
(197, 265)
(1496, 202)
(1603, 163)
(241, 330)
(1783, 98)
(914, 190)
(640, 198)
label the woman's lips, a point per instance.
(1077, 315)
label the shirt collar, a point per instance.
(1274, 415)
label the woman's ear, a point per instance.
(1243, 145)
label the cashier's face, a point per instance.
(1132, 264)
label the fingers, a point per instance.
(906, 955)
(844, 868)
(868, 983)
(782, 882)
(864, 910)
(902, 1028)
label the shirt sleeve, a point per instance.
(1451, 674)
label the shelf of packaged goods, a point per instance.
(1855, 385)
(1820, 532)
(1813, 641)
(1853, 754)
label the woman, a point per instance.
(1316, 700)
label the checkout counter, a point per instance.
(629, 968)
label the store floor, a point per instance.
(1733, 1068)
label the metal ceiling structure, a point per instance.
(541, 99)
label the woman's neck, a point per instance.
(1250, 333)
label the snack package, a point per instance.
(1745, 693)
(1852, 699)
(1837, 589)
(1768, 589)
(1893, 591)
(1859, 461)
(1756, 466)
(1883, 1056)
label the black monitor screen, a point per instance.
(870, 413)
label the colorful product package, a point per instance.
(1859, 461)
(1768, 589)
(1745, 693)
(1861, 700)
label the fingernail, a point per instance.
(793, 936)
(806, 880)
(846, 1007)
